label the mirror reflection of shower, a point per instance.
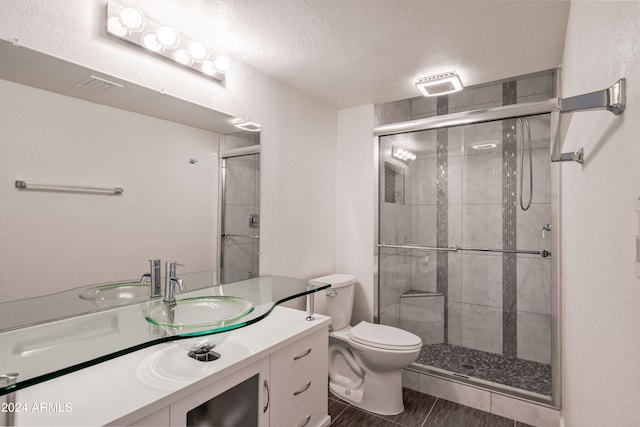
(240, 206)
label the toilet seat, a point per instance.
(384, 337)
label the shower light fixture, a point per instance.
(246, 124)
(130, 24)
(440, 84)
(402, 154)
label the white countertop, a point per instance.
(150, 379)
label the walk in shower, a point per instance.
(462, 265)
(464, 247)
(468, 248)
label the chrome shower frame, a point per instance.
(611, 99)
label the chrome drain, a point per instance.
(204, 354)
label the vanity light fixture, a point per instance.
(402, 154)
(246, 124)
(440, 84)
(132, 25)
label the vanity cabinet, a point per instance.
(271, 373)
(285, 388)
(299, 375)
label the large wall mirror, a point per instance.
(63, 124)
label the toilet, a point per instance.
(365, 360)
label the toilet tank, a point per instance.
(336, 301)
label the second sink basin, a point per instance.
(199, 314)
(115, 294)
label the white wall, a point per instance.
(600, 221)
(355, 203)
(299, 133)
(55, 241)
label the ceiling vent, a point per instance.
(96, 84)
(440, 84)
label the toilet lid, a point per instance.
(383, 336)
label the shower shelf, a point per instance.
(543, 253)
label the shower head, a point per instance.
(440, 84)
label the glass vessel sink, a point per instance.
(115, 294)
(197, 315)
(204, 316)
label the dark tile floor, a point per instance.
(518, 373)
(420, 410)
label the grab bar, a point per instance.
(542, 253)
(24, 185)
(240, 235)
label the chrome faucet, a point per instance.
(154, 278)
(170, 281)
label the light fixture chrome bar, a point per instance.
(612, 99)
(24, 185)
(469, 117)
(240, 235)
(543, 253)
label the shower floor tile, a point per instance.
(523, 374)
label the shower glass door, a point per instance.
(459, 251)
(240, 216)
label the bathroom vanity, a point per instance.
(114, 367)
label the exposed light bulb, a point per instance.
(197, 51)
(402, 154)
(115, 27)
(132, 18)
(222, 63)
(167, 36)
(150, 42)
(130, 23)
(182, 56)
(209, 68)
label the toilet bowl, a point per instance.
(365, 360)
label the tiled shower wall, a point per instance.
(242, 199)
(454, 195)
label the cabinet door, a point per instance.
(239, 399)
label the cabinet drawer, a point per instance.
(314, 413)
(298, 390)
(299, 356)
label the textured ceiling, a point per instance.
(355, 52)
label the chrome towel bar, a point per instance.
(542, 253)
(24, 185)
